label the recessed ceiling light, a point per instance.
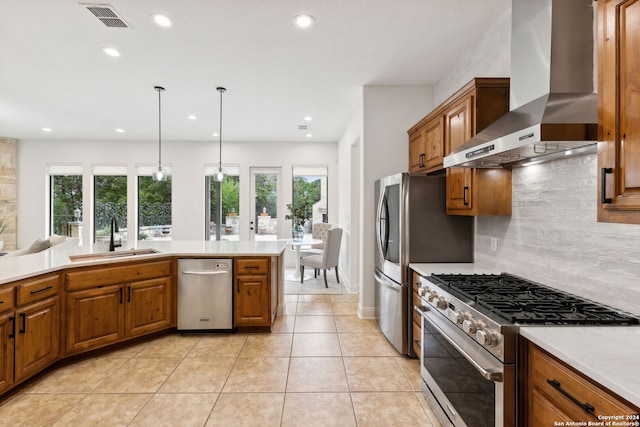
(303, 21)
(162, 20)
(309, 135)
(46, 130)
(110, 51)
(191, 117)
(215, 134)
(120, 130)
(308, 118)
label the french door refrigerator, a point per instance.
(412, 227)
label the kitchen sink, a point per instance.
(111, 255)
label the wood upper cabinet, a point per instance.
(618, 111)
(476, 191)
(417, 151)
(426, 144)
(252, 293)
(556, 392)
(105, 307)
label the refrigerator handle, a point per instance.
(382, 232)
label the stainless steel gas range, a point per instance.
(469, 347)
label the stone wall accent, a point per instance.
(8, 190)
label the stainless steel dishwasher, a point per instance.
(205, 294)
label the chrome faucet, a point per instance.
(114, 229)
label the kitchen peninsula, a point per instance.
(77, 298)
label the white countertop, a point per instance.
(56, 258)
(606, 354)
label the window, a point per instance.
(230, 186)
(65, 185)
(110, 201)
(154, 206)
(310, 187)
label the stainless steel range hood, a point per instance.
(553, 105)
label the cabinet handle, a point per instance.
(421, 161)
(129, 297)
(464, 196)
(603, 176)
(238, 285)
(12, 334)
(23, 316)
(120, 295)
(585, 406)
(41, 290)
(252, 267)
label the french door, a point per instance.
(266, 218)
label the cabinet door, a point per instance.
(95, 318)
(416, 151)
(251, 301)
(7, 332)
(619, 105)
(148, 306)
(458, 130)
(37, 338)
(433, 135)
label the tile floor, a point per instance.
(322, 366)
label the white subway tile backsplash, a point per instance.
(553, 236)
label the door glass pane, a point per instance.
(110, 192)
(310, 192)
(66, 205)
(230, 207)
(154, 209)
(392, 195)
(266, 205)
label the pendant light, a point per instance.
(159, 174)
(220, 174)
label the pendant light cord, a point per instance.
(159, 89)
(221, 90)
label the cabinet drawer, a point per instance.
(90, 278)
(34, 290)
(252, 265)
(7, 301)
(544, 368)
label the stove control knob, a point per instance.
(431, 295)
(422, 291)
(487, 337)
(442, 303)
(458, 317)
(471, 326)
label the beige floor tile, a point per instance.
(315, 324)
(345, 308)
(317, 374)
(355, 324)
(80, 377)
(126, 352)
(140, 376)
(291, 298)
(411, 369)
(108, 410)
(388, 409)
(314, 308)
(169, 346)
(344, 298)
(247, 409)
(290, 309)
(364, 344)
(375, 374)
(219, 345)
(315, 344)
(171, 410)
(427, 409)
(31, 410)
(283, 325)
(314, 298)
(267, 345)
(199, 375)
(261, 374)
(318, 409)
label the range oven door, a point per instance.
(464, 384)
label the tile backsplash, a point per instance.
(553, 237)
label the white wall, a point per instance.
(187, 161)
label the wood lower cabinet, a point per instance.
(105, 308)
(556, 392)
(7, 334)
(618, 111)
(252, 299)
(417, 322)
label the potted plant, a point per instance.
(300, 212)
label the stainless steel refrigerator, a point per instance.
(412, 227)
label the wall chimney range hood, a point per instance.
(554, 109)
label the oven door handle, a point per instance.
(488, 374)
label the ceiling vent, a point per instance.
(303, 127)
(107, 15)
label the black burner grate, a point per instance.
(525, 302)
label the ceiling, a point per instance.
(54, 74)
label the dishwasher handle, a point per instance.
(205, 272)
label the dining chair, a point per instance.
(328, 259)
(318, 231)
